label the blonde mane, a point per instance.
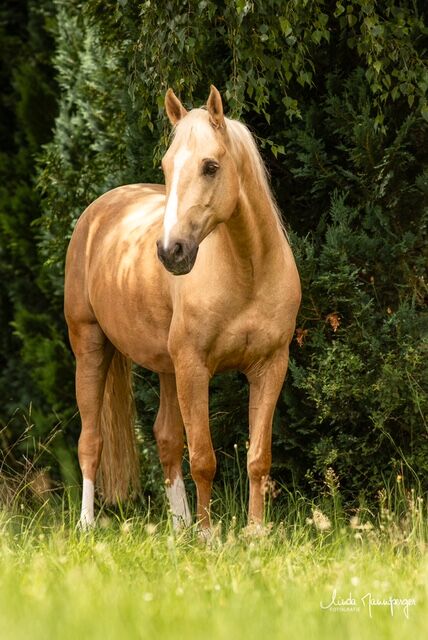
(243, 141)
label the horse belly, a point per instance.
(146, 346)
(135, 316)
(141, 337)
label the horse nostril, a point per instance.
(177, 251)
(160, 250)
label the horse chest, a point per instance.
(245, 340)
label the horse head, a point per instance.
(202, 184)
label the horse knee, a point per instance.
(169, 449)
(89, 451)
(203, 466)
(258, 466)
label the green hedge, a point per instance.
(335, 92)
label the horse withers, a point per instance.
(186, 279)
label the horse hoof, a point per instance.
(205, 534)
(86, 524)
(210, 535)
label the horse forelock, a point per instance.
(193, 129)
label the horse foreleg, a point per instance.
(93, 355)
(265, 386)
(192, 388)
(169, 432)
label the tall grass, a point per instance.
(133, 577)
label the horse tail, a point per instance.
(119, 473)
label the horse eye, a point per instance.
(210, 168)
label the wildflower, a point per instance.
(126, 527)
(320, 521)
(331, 479)
(334, 321)
(101, 548)
(355, 523)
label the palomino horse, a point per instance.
(185, 279)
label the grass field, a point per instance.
(131, 578)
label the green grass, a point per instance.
(133, 579)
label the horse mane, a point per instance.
(242, 144)
(242, 140)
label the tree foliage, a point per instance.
(32, 351)
(335, 92)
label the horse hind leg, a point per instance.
(169, 433)
(93, 354)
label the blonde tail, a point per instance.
(119, 473)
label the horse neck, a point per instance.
(254, 231)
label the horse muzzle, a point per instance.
(178, 258)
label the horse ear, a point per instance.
(215, 108)
(174, 109)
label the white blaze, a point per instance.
(87, 515)
(170, 218)
(178, 502)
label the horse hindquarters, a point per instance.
(104, 398)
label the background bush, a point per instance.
(335, 92)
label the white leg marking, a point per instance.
(170, 218)
(87, 519)
(178, 502)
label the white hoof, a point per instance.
(179, 524)
(86, 523)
